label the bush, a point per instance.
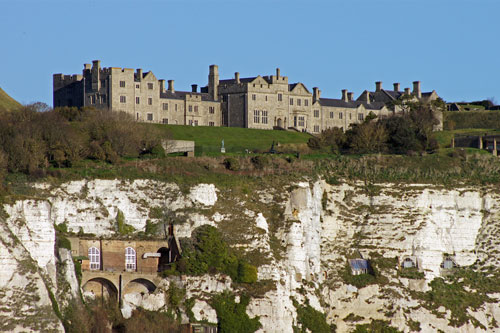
(63, 242)
(232, 316)
(376, 326)
(246, 273)
(231, 164)
(311, 320)
(260, 161)
(123, 228)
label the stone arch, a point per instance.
(141, 285)
(100, 287)
(408, 263)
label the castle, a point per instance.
(262, 102)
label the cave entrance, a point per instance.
(165, 259)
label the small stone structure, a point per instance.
(359, 266)
(178, 146)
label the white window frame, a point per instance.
(94, 258)
(130, 259)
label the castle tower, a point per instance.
(213, 82)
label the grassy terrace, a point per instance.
(236, 140)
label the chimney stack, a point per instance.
(194, 88)
(378, 86)
(213, 82)
(316, 94)
(171, 85)
(162, 85)
(416, 89)
(87, 66)
(237, 77)
(96, 63)
(407, 91)
(350, 96)
(396, 87)
(277, 73)
(344, 95)
(367, 97)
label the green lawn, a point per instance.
(7, 103)
(236, 140)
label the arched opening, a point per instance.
(165, 259)
(280, 122)
(100, 288)
(94, 258)
(408, 263)
(130, 259)
(139, 286)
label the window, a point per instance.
(137, 100)
(92, 99)
(103, 99)
(196, 123)
(137, 116)
(301, 121)
(256, 116)
(150, 86)
(264, 117)
(130, 259)
(196, 108)
(211, 123)
(165, 120)
(150, 117)
(280, 97)
(175, 107)
(331, 115)
(316, 113)
(291, 101)
(123, 99)
(316, 128)
(266, 98)
(150, 101)
(103, 83)
(360, 116)
(350, 116)
(193, 123)
(190, 108)
(211, 109)
(190, 123)
(122, 84)
(94, 258)
(299, 101)
(254, 97)
(340, 115)
(306, 102)
(165, 106)
(137, 86)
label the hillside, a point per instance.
(7, 103)
(236, 140)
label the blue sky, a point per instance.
(450, 46)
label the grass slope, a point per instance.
(7, 103)
(208, 139)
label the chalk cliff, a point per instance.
(302, 234)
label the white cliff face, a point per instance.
(321, 223)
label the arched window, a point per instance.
(130, 259)
(408, 263)
(95, 258)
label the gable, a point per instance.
(149, 76)
(299, 89)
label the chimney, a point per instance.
(396, 87)
(416, 89)
(139, 74)
(350, 96)
(378, 86)
(171, 85)
(96, 63)
(237, 77)
(162, 85)
(213, 82)
(194, 88)
(344, 95)
(86, 66)
(316, 94)
(277, 73)
(367, 97)
(407, 91)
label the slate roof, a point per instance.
(359, 264)
(244, 80)
(181, 95)
(339, 103)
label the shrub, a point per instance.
(232, 316)
(246, 273)
(63, 242)
(231, 164)
(260, 161)
(376, 326)
(311, 320)
(123, 228)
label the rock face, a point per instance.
(302, 234)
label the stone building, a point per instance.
(261, 102)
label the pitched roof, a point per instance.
(181, 95)
(340, 103)
(245, 80)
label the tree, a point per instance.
(368, 137)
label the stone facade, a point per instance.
(261, 102)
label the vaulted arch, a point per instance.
(101, 287)
(142, 286)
